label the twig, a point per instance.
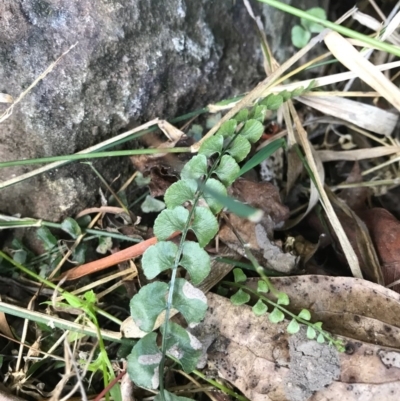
(111, 260)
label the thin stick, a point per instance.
(111, 260)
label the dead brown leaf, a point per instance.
(261, 195)
(357, 233)
(355, 308)
(268, 253)
(355, 197)
(259, 357)
(359, 238)
(164, 169)
(385, 233)
(259, 237)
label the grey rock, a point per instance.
(135, 60)
(313, 367)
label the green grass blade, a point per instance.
(7, 222)
(116, 153)
(335, 27)
(54, 321)
(262, 154)
(236, 207)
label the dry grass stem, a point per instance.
(357, 154)
(365, 70)
(381, 165)
(337, 226)
(8, 112)
(261, 90)
(128, 274)
(342, 94)
(92, 149)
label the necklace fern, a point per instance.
(191, 205)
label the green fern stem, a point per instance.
(171, 292)
(338, 343)
(178, 256)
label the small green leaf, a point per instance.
(259, 113)
(158, 257)
(305, 314)
(212, 146)
(293, 327)
(298, 91)
(79, 254)
(195, 168)
(20, 256)
(239, 275)
(84, 221)
(189, 300)
(169, 221)
(227, 128)
(180, 192)
(312, 26)
(310, 86)
(17, 245)
(262, 154)
(276, 316)
(204, 225)
(142, 181)
(260, 309)
(340, 347)
(170, 397)
(196, 132)
(90, 297)
(239, 148)
(252, 130)
(214, 186)
(96, 364)
(311, 333)
(283, 299)
(147, 304)
(300, 37)
(228, 170)
(151, 205)
(70, 226)
(240, 298)
(320, 338)
(286, 95)
(105, 244)
(262, 286)
(143, 362)
(73, 300)
(242, 116)
(213, 119)
(318, 325)
(196, 261)
(182, 346)
(48, 240)
(273, 102)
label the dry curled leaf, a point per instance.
(261, 195)
(259, 237)
(268, 253)
(385, 233)
(259, 358)
(163, 169)
(357, 233)
(363, 115)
